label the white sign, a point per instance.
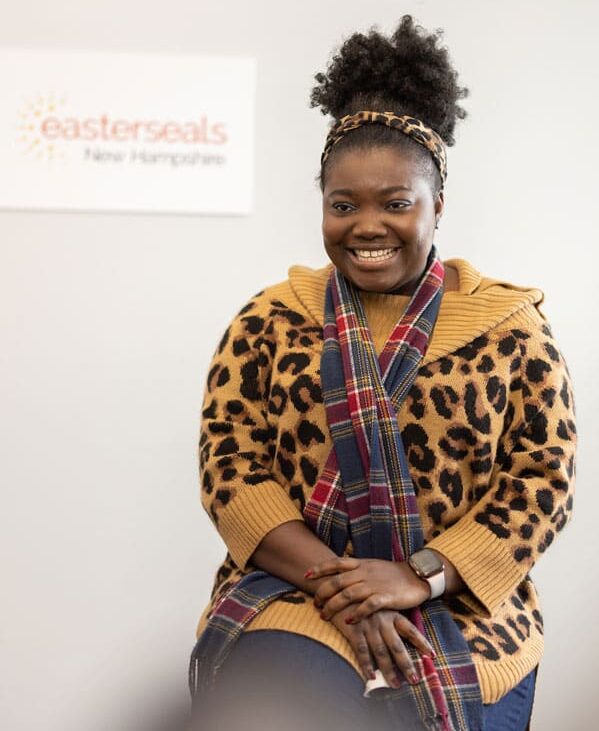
(126, 132)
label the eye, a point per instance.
(398, 205)
(343, 207)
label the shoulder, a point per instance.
(298, 299)
(478, 308)
(473, 282)
(492, 305)
(276, 314)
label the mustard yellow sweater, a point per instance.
(488, 428)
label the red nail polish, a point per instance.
(414, 678)
(308, 574)
(349, 620)
(372, 675)
(322, 615)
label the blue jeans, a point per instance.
(514, 709)
(285, 681)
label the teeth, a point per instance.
(378, 255)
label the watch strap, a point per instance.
(437, 584)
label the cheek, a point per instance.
(333, 230)
(420, 232)
(424, 236)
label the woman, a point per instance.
(387, 446)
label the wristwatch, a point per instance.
(428, 566)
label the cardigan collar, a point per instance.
(478, 305)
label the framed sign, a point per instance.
(87, 131)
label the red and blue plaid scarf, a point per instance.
(365, 493)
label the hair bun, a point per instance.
(410, 73)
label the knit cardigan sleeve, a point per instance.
(529, 497)
(236, 448)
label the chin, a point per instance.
(374, 283)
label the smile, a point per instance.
(372, 257)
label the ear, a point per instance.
(439, 206)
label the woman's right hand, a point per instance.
(378, 642)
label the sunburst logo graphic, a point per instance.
(29, 135)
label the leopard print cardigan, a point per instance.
(488, 428)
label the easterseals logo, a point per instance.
(48, 132)
(29, 133)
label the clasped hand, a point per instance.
(362, 598)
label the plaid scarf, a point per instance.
(365, 493)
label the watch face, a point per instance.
(427, 562)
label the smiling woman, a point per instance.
(387, 446)
(379, 218)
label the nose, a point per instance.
(368, 226)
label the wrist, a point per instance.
(430, 570)
(424, 587)
(411, 590)
(453, 581)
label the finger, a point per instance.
(342, 599)
(330, 587)
(372, 604)
(398, 651)
(332, 566)
(411, 633)
(381, 653)
(360, 647)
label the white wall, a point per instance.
(108, 323)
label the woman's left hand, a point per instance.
(376, 584)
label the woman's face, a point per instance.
(379, 218)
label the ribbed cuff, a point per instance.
(484, 561)
(251, 514)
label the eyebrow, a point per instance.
(384, 191)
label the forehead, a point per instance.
(374, 168)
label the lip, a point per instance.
(370, 265)
(373, 248)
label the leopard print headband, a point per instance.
(410, 126)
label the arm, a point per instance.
(236, 449)
(288, 550)
(530, 494)
(373, 584)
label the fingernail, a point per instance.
(322, 615)
(349, 620)
(308, 574)
(414, 679)
(372, 675)
(396, 682)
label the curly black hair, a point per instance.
(407, 73)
